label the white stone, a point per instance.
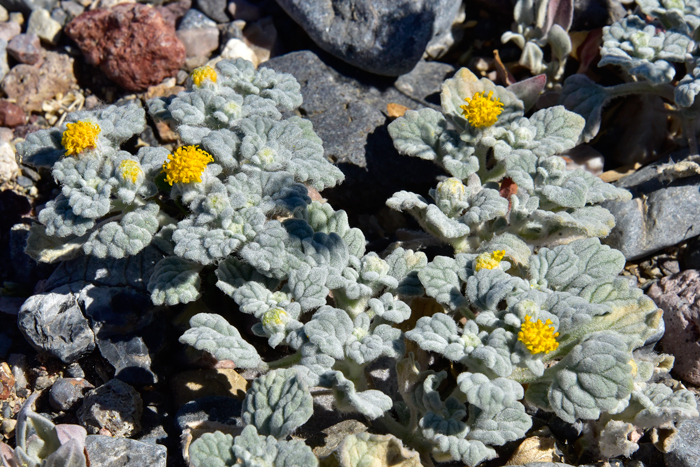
(43, 25)
(236, 48)
(8, 165)
(4, 15)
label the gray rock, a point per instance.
(72, 9)
(686, 449)
(677, 297)
(105, 451)
(386, 37)
(9, 29)
(27, 6)
(663, 212)
(229, 31)
(74, 370)
(199, 42)
(18, 364)
(24, 182)
(65, 393)
(115, 407)
(195, 19)
(214, 9)
(60, 16)
(119, 316)
(54, 323)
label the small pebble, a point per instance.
(72, 9)
(4, 15)
(18, 363)
(33, 174)
(11, 115)
(9, 29)
(67, 392)
(115, 407)
(42, 382)
(195, 19)
(43, 25)
(24, 182)
(17, 17)
(26, 48)
(7, 428)
(59, 15)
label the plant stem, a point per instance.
(287, 361)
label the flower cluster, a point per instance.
(481, 110)
(79, 136)
(186, 165)
(537, 336)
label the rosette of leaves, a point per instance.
(506, 176)
(539, 23)
(565, 323)
(39, 442)
(106, 206)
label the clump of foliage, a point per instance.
(530, 308)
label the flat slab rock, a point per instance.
(105, 451)
(663, 212)
(386, 37)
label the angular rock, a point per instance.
(686, 449)
(59, 15)
(54, 323)
(72, 9)
(11, 115)
(27, 6)
(105, 451)
(65, 393)
(261, 36)
(678, 296)
(172, 12)
(214, 9)
(663, 211)
(9, 29)
(43, 25)
(230, 31)
(30, 86)
(115, 407)
(131, 43)
(386, 37)
(4, 15)
(237, 48)
(26, 48)
(199, 42)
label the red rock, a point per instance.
(11, 115)
(132, 43)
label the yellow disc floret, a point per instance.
(538, 336)
(482, 111)
(186, 165)
(130, 170)
(199, 75)
(79, 136)
(489, 260)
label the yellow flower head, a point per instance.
(275, 320)
(186, 165)
(481, 111)
(79, 136)
(451, 188)
(489, 260)
(130, 170)
(538, 337)
(199, 75)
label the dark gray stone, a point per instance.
(119, 317)
(74, 370)
(24, 182)
(386, 37)
(105, 451)
(686, 449)
(214, 9)
(11, 305)
(54, 323)
(66, 393)
(593, 14)
(72, 9)
(663, 212)
(114, 406)
(25, 271)
(229, 31)
(27, 6)
(5, 344)
(195, 19)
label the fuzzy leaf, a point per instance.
(329, 329)
(441, 282)
(366, 449)
(583, 96)
(371, 403)
(277, 403)
(253, 450)
(417, 133)
(127, 237)
(212, 450)
(174, 280)
(213, 334)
